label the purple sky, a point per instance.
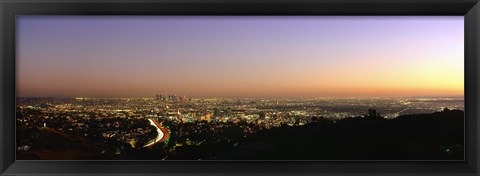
(140, 56)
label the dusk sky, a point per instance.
(250, 56)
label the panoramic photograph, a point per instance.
(240, 88)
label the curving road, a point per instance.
(162, 134)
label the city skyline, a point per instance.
(59, 56)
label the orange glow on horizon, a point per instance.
(240, 57)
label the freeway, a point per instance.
(162, 133)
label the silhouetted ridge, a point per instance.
(47, 143)
(436, 136)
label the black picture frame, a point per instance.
(9, 9)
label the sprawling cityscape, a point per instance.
(240, 88)
(120, 125)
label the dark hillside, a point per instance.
(437, 136)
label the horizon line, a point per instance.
(223, 97)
